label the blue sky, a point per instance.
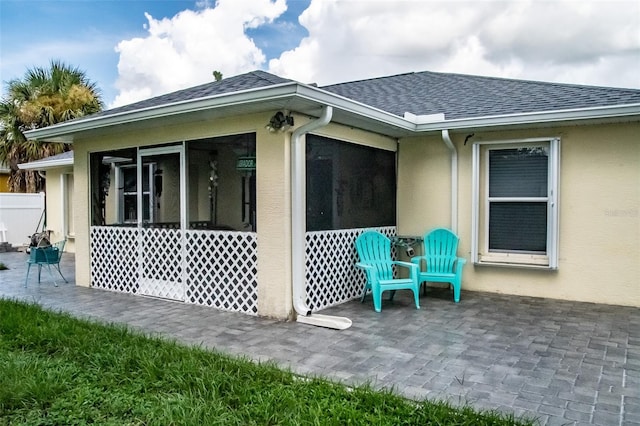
(137, 49)
(84, 33)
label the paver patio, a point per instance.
(559, 362)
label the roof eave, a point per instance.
(44, 164)
(579, 115)
(64, 132)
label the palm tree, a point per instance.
(42, 98)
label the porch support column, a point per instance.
(273, 205)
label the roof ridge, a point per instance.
(267, 76)
(382, 77)
(481, 77)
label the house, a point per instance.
(58, 172)
(247, 194)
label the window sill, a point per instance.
(507, 260)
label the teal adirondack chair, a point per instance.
(48, 256)
(374, 251)
(442, 265)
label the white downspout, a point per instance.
(454, 180)
(299, 226)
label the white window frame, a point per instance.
(480, 254)
(121, 192)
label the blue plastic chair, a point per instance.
(441, 263)
(48, 256)
(374, 251)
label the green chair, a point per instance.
(48, 256)
(374, 252)
(441, 263)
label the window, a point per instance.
(515, 193)
(128, 204)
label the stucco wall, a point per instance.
(58, 206)
(599, 237)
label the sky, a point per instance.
(136, 49)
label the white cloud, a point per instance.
(585, 42)
(185, 50)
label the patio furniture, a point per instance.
(48, 256)
(441, 262)
(374, 251)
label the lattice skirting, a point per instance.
(211, 268)
(331, 275)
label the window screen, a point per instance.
(348, 186)
(518, 172)
(518, 188)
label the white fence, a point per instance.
(19, 216)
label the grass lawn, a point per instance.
(58, 370)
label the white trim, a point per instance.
(65, 203)
(549, 260)
(44, 164)
(554, 205)
(570, 115)
(475, 201)
(116, 191)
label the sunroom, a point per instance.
(244, 195)
(180, 220)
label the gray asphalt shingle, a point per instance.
(251, 80)
(467, 96)
(422, 93)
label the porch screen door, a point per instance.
(162, 221)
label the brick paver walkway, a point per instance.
(559, 362)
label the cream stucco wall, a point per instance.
(60, 204)
(599, 237)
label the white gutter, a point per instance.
(533, 118)
(454, 180)
(44, 164)
(299, 227)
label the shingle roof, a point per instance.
(422, 93)
(467, 96)
(251, 80)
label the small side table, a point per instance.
(407, 242)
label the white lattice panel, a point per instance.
(222, 270)
(331, 275)
(216, 268)
(162, 264)
(114, 258)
